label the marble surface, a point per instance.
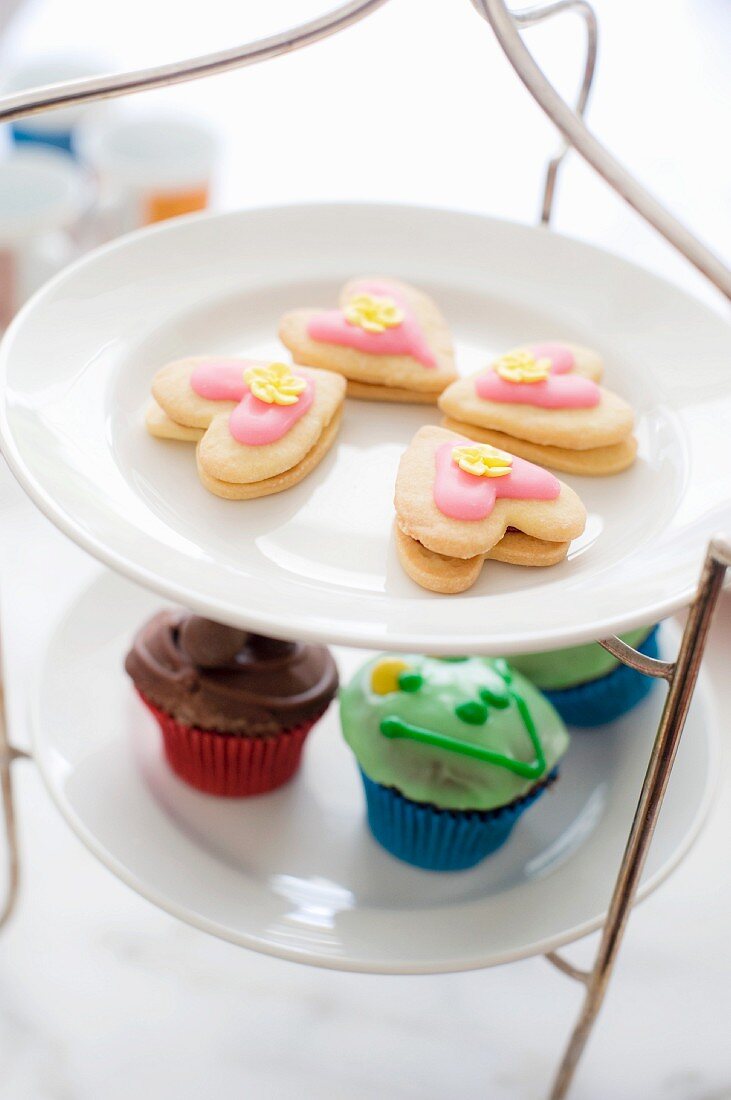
(101, 994)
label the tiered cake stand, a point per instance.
(296, 874)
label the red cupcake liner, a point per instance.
(229, 764)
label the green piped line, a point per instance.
(395, 727)
(530, 726)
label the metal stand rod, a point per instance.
(528, 17)
(505, 24)
(567, 968)
(74, 92)
(682, 684)
(649, 666)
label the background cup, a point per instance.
(43, 194)
(149, 168)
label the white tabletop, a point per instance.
(105, 996)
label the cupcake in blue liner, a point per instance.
(586, 684)
(451, 753)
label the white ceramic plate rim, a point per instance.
(350, 634)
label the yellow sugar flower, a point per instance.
(275, 383)
(482, 460)
(373, 314)
(521, 366)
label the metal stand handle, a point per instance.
(506, 26)
(681, 674)
(529, 17)
(75, 92)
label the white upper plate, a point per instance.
(318, 561)
(296, 873)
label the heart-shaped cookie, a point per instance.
(543, 403)
(261, 427)
(387, 338)
(458, 503)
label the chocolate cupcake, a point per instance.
(234, 708)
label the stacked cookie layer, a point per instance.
(453, 513)
(259, 427)
(543, 403)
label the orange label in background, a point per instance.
(160, 205)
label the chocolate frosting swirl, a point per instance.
(219, 678)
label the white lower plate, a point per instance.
(296, 874)
(318, 560)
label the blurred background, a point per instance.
(102, 995)
(415, 104)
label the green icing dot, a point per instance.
(472, 712)
(410, 681)
(453, 659)
(498, 699)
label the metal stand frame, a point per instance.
(681, 674)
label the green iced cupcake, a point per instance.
(586, 684)
(451, 751)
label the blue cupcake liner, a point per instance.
(600, 701)
(441, 840)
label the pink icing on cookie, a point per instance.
(558, 391)
(562, 358)
(220, 379)
(252, 422)
(460, 495)
(256, 422)
(404, 339)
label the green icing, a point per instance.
(409, 681)
(422, 744)
(473, 712)
(396, 727)
(565, 668)
(493, 698)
